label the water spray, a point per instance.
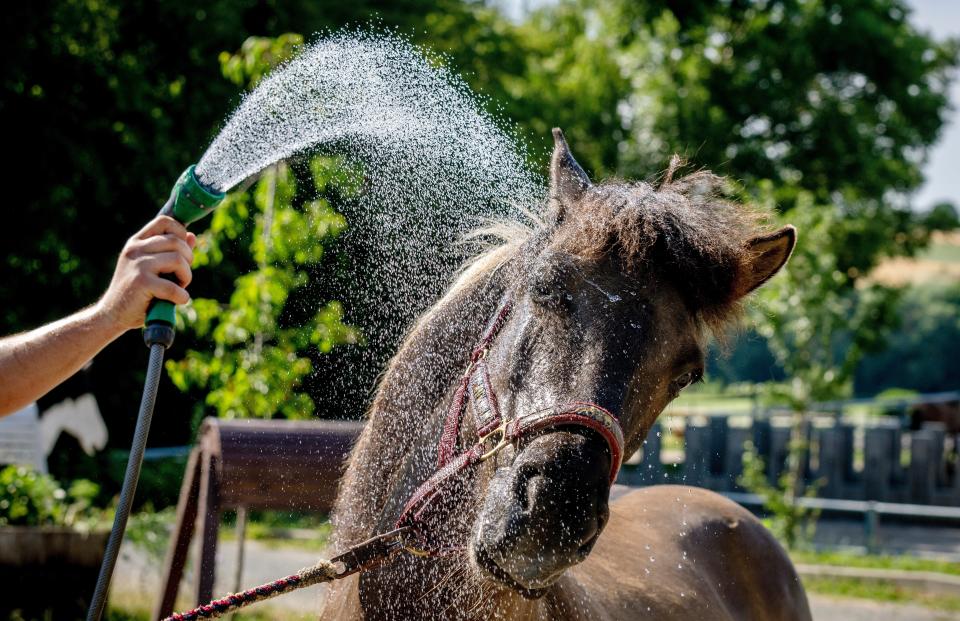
(189, 201)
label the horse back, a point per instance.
(677, 552)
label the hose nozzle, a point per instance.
(189, 201)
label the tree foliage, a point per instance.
(817, 324)
(791, 522)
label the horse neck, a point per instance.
(397, 450)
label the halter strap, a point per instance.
(451, 428)
(494, 433)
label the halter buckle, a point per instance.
(502, 443)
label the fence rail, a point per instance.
(881, 462)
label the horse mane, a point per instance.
(686, 229)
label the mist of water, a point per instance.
(377, 98)
(435, 164)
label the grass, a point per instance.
(711, 403)
(947, 253)
(880, 592)
(870, 561)
(275, 535)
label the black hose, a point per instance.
(154, 367)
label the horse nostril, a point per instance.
(590, 538)
(533, 493)
(529, 482)
(584, 550)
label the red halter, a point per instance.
(494, 434)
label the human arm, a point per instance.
(32, 363)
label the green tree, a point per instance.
(818, 327)
(789, 521)
(921, 354)
(817, 324)
(821, 108)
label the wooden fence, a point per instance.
(879, 461)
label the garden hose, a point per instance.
(154, 367)
(189, 201)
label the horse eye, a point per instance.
(690, 377)
(546, 292)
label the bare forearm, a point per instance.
(34, 362)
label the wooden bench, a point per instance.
(250, 464)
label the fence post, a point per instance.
(922, 470)
(880, 449)
(696, 465)
(733, 460)
(761, 436)
(871, 522)
(828, 460)
(779, 448)
(718, 448)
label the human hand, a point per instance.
(164, 246)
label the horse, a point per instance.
(604, 302)
(80, 417)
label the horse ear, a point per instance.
(568, 181)
(767, 254)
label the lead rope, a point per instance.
(323, 571)
(371, 553)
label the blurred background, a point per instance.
(840, 386)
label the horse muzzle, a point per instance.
(543, 514)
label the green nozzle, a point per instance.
(189, 201)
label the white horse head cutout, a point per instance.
(80, 418)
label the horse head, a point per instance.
(611, 302)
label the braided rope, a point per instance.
(323, 571)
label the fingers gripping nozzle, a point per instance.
(189, 201)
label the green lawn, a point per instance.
(880, 592)
(948, 253)
(874, 590)
(905, 563)
(316, 536)
(712, 402)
